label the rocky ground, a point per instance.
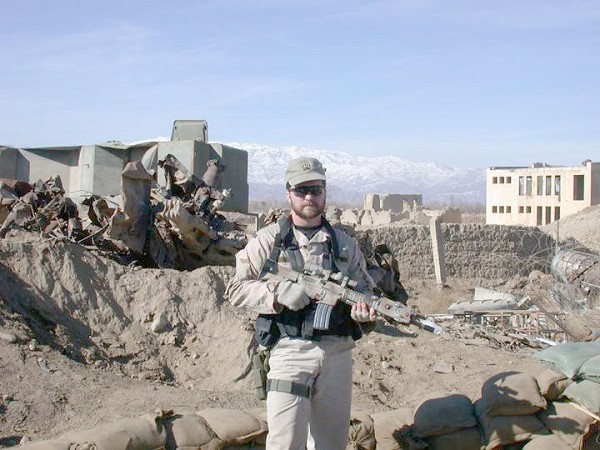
(85, 341)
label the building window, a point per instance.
(502, 210)
(548, 184)
(540, 185)
(521, 209)
(528, 185)
(501, 180)
(494, 209)
(539, 215)
(508, 180)
(548, 214)
(494, 180)
(508, 209)
(528, 210)
(578, 184)
(557, 213)
(521, 185)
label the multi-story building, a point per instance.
(540, 194)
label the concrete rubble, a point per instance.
(504, 320)
(178, 226)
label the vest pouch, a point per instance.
(260, 368)
(266, 331)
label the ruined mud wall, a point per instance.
(471, 250)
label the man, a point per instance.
(310, 377)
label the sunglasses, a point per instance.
(303, 191)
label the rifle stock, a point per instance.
(327, 288)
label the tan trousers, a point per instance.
(322, 421)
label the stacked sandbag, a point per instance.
(507, 410)
(217, 428)
(572, 387)
(552, 384)
(389, 426)
(579, 363)
(576, 428)
(361, 434)
(139, 433)
(440, 422)
(212, 429)
(569, 358)
(447, 422)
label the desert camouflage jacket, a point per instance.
(244, 290)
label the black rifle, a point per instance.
(326, 288)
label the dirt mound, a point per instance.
(582, 227)
(149, 323)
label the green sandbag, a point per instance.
(590, 370)
(585, 393)
(568, 358)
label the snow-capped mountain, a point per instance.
(349, 177)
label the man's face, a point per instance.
(307, 200)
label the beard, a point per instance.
(309, 211)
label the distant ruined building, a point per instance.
(383, 209)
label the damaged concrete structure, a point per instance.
(96, 169)
(392, 202)
(383, 209)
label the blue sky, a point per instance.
(467, 83)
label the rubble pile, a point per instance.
(471, 331)
(178, 226)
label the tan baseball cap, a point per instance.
(303, 169)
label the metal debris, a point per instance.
(177, 227)
(579, 279)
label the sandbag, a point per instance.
(585, 393)
(189, 430)
(444, 414)
(389, 424)
(499, 431)
(590, 370)
(362, 432)
(569, 423)
(145, 432)
(569, 357)
(233, 426)
(549, 442)
(511, 394)
(260, 413)
(464, 439)
(552, 384)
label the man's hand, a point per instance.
(291, 295)
(361, 313)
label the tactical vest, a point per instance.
(299, 324)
